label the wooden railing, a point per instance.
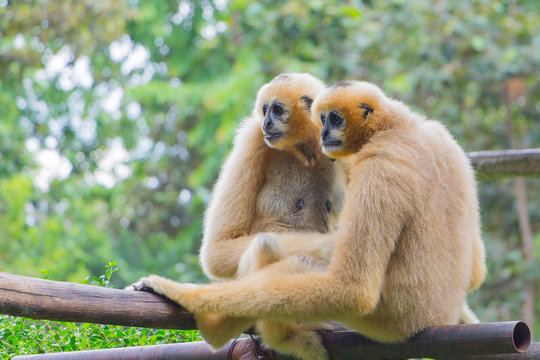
(62, 301)
(506, 163)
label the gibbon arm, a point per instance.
(233, 207)
(376, 209)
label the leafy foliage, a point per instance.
(22, 336)
(117, 116)
(26, 337)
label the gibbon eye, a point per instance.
(367, 109)
(307, 101)
(323, 118)
(335, 119)
(278, 110)
(265, 109)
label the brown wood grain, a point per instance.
(63, 301)
(55, 300)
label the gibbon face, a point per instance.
(349, 112)
(284, 105)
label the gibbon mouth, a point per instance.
(273, 136)
(332, 143)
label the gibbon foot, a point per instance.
(145, 284)
(303, 263)
(299, 340)
(218, 329)
(263, 250)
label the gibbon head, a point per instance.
(284, 105)
(350, 112)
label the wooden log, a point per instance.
(532, 353)
(54, 300)
(506, 163)
(63, 301)
(245, 349)
(436, 342)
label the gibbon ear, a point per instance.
(307, 101)
(367, 110)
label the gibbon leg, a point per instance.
(217, 329)
(262, 251)
(479, 264)
(300, 340)
(220, 259)
(467, 316)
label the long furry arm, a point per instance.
(231, 212)
(380, 201)
(264, 294)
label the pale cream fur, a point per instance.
(258, 185)
(256, 192)
(408, 246)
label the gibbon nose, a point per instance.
(324, 133)
(268, 125)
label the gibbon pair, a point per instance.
(407, 248)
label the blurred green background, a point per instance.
(116, 115)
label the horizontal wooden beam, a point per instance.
(506, 163)
(532, 353)
(63, 301)
(243, 349)
(438, 342)
(246, 349)
(55, 300)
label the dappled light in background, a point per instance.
(116, 116)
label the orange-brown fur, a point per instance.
(407, 249)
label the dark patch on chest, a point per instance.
(295, 195)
